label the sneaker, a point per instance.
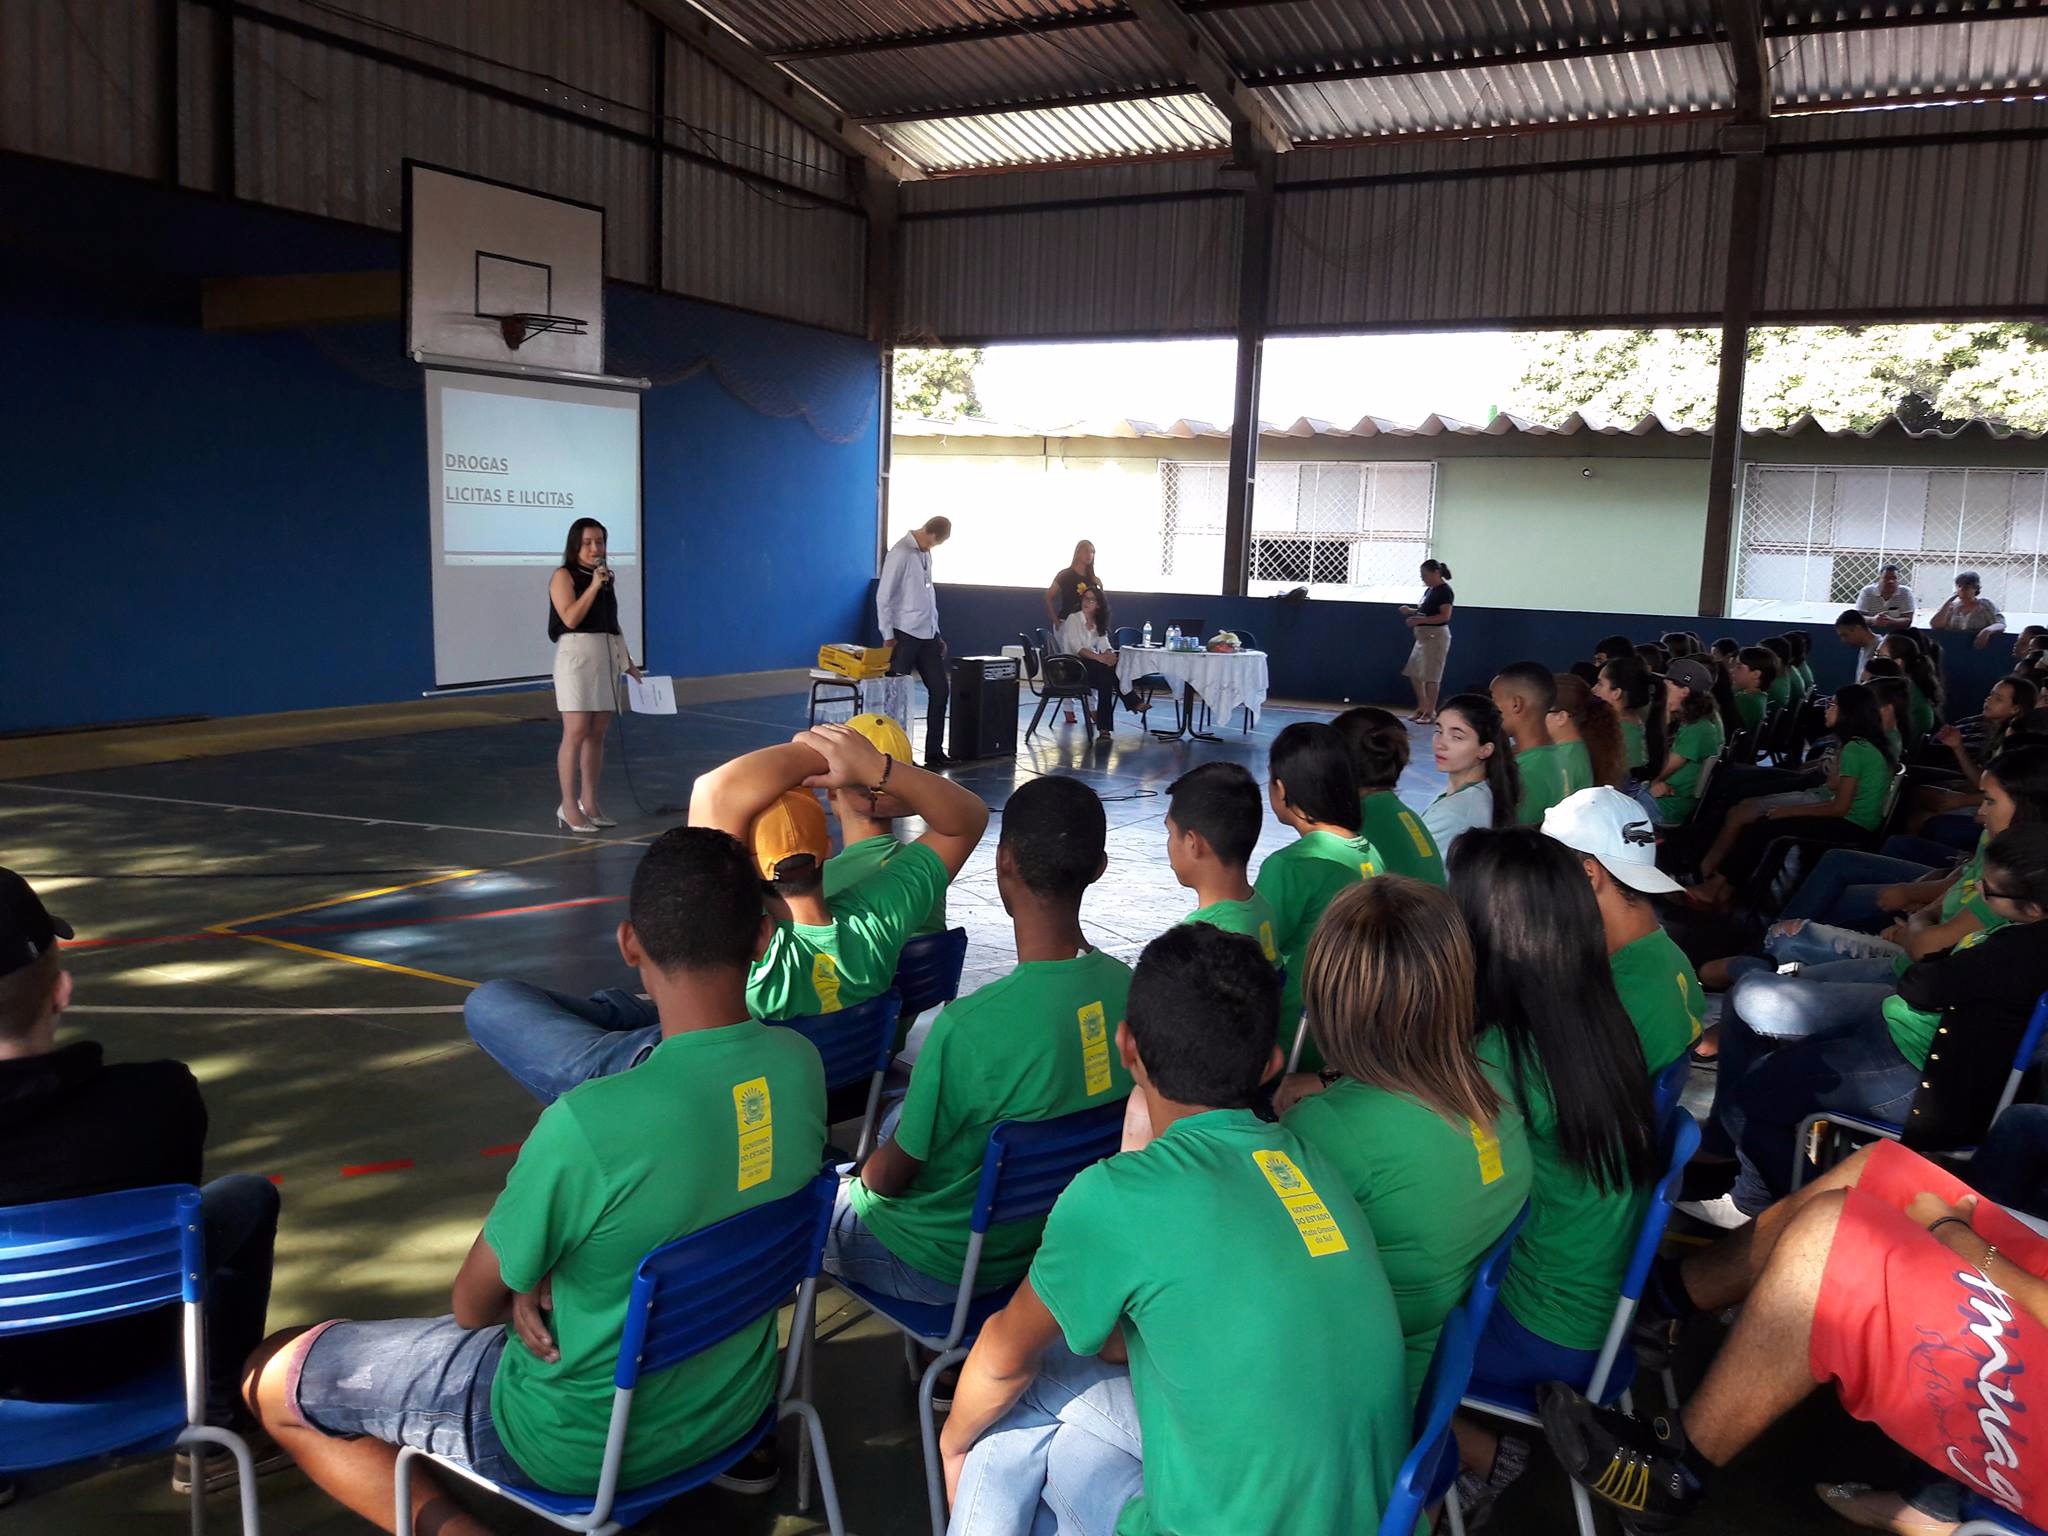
(218, 1468)
(944, 1387)
(756, 1472)
(1721, 1211)
(1641, 1469)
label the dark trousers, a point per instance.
(1102, 678)
(927, 658)
(240, 1213)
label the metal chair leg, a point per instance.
(934, 1477)
(1036, 716)
(814, 1442)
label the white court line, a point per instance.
(360, 821)
(266, 1013)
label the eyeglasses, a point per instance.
(1991, 893)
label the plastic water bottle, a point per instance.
(1173, 637)
(1148, 635)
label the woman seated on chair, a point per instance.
(1085, 633)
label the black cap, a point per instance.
(27, 931)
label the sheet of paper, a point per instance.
(651, 695)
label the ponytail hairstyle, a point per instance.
(1614, 645)
(1918, 666)
(1503, 777)
(1437, 567)
(1779, 647)
(1857, 717)
(1697, 705)
(1378, 743)
(1802, 645)
(1644, 695)
(1599, 728)
(1655, 657)
(1724, 695)
(1545, 983)
(1726, 650)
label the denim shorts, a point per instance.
(423, 1382)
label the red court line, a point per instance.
(395, 1165)
(319, 928)
(503, 1149)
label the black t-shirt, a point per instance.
(69, 1126)
(1073, 586)
(603, 615)
(1436, 599)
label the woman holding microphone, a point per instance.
(583, 621)
(1431, 623)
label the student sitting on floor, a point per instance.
(1525, 694)
(1585, 725)
(1213, 817)
(1696, 737)
(1225, 1261)
(1379, 746)
(1033, 1046)
(1753, 672)
(1471, 750)
(867, 824)
(72, 1125)
(1313, 790)
(724, 1115)
(1426, 1138)
(819, 959)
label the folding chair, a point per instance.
(854, 1043)
(1431, 1468)
(1680, 1140)
(1668, 1085)
(687, 1296)
(1064, 677)
(1886, 1130)
(70, 1263)
(1027, 1164)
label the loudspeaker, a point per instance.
(984, 709)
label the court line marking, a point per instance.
(232, 924)
(363, 960)
(188, 1011)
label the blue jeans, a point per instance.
(240, 1216)
(1818, 946)
(550, 1042)
(1764, 1011)
(1833, 967)
(1953, 829)
(1063, 1461)
(1843, 887)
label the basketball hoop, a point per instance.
(516, 328)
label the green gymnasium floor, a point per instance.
(298, 914)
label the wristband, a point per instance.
(888, 767)
(1936, 1226)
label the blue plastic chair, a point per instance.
(1668, 1086)
(1680, 1140)
(1429, 1469)
(1026, 1167)
(1981, 1517)
(69, 1263)
(854, 1043)
(928, 970)
(687, 1296)
(1886, 1130)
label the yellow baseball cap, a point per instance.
(793, 827)
(883, 733)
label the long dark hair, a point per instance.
(1438, 567)
(572, 548)
(1858, 716)
(1914, 661)
(1311, 760)
(1644, 694)
(2023, 774)
(1503, 778)
(2024, 697)
(1102, 604)
(1545, 983)
(1599, 728)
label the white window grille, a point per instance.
(1813, 536)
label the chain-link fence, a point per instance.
(1813, 536)
(1342, 530)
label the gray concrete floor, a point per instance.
(361, 883)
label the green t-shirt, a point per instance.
(1035, 1045)
(1778, 691)
(1400, 837)
(1696, 743)
(1636, 746)
(1661, 992)
(1802, 678)
(1262, 1333)
(1752, 706)
(1298, 881)
(1919, 710)
(1545, 781)
(1966, 889)
(1912, 1029)
(714, 1122)
(1251, 916)
(812, 970)
(1437, 1195)
(1578, 765)
(1566, 1269)
(1873, 775)
(852, 865)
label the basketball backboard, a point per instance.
(496, 274)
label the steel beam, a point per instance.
(1254, 289)
(1186, 47)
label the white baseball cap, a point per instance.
(1607, 825)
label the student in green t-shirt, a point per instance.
(1427, 1141)
(1696, 737)
(1634, 693)
(1753, 672)
(1379, 746)
(1313, 790)
(1588, 730)
(867, 824)
(1035, 1045)
(1525, 694)
(1801, 670)
(724, 1115)
(1213, 816)
(1778, 684)
(1225, 1261)
(1923, 684)
(1576, 1068)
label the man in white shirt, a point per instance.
(1888, 605)
(907, 608)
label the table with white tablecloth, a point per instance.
(878, 696)
(1225, 680)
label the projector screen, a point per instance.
(511, 464)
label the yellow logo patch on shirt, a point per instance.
(1312, 1218)
(825, 982)
(1266, 943)
(1487, 1145)
(1094, 1048)
(755, 1114)
(1695, 1013)
(1365, 869)
(1423, 847)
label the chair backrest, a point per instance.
(1478, 1303)
(66, 1263)
(2023, 1058)
(1680, 1140)
(1066, 672)
(1048, 643)
(1031, 655)
(1433, 1460)
(1894, 803)
(928, 970)
(1029, 1162)
(1740, 747)
(698, 1290)
(1246, 639)
(1126, 634)
(854, 1043)
(1706, 777)
(1667, 1085)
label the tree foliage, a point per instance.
(1846, 377)
(937, 382)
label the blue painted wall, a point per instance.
(230, 524)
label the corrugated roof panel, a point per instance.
(994, 71)
(1150, 178)
(1101, 131)
(714, 114)
(736, 242)
(2006, 54)
(78, 83)
(777, 25)
(1502, 425)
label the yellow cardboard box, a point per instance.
(855, 661)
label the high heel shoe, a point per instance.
(572, 826)
(596, 821)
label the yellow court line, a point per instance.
(375, 965)
(233, 923)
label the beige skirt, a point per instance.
(587, 668)
(1426, 660)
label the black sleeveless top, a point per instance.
(603, 616)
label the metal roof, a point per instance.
(971, 85)
(1434, 425)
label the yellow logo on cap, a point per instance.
(1305, 1207)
